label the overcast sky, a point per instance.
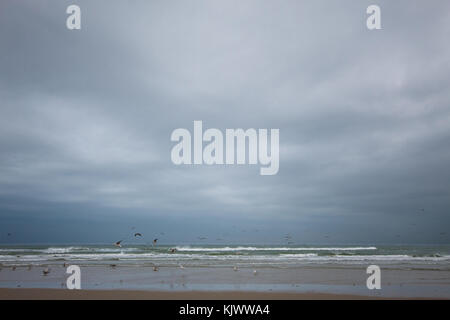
(86, 118)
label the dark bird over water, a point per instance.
(137, 234)
(117, 244)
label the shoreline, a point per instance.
(64, 294)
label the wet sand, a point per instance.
(308, 282)
(64, 294)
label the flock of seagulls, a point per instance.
(173, 250)
(136, 235)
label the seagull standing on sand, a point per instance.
(46, 271)
(235, 268)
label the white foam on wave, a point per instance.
(168, 257)
(85, 249)
(20, 250)
(219, 249)
(368, 258)
(60, 250)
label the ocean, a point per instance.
(223, 255)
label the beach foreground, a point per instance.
(307, 282)
(52, 294)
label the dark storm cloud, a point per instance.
(364, 116)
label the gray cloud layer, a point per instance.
(364, 118)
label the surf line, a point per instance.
(235, 147)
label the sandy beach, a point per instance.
(63, 294)
(305, 282)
